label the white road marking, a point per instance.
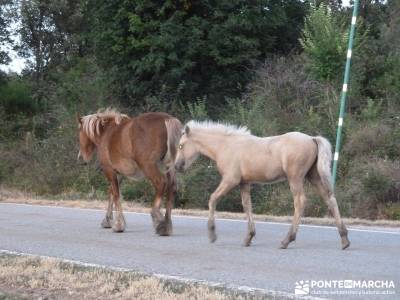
(331, 227)
(186, 280)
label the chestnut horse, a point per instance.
(143, 146)
(243, 159)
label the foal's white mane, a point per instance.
(217, 127)
(91, 123)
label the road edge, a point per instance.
(177, 279)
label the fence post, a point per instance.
(344, 91)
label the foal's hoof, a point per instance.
(212, 236)
(247, 240)
(291, 237)
(345, 243)
(284, 245)
(118, 226)
(106, 223)
(164, 228)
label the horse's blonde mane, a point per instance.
(217, 127)
(91, 124)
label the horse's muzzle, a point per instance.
(80, 160)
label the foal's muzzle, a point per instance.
(179, 166)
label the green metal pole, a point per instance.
(344, 91)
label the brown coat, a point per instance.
(144, 146)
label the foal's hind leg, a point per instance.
(330, 200)
(297, 189)
(246, 202)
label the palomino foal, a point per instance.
(243, 159)
(135, 147)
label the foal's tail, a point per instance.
(174, 133)
(324, 161)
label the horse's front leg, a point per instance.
(246, 202)
(107, 221)
(225, 186)
(119, 224)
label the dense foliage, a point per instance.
(188, 49)
(274, 66)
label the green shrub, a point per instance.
(370, 139)
(324, 41)
(392, 211)
(16, 97)
(138, 191)
(370, 186)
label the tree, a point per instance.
(186, 49)
(324, 40)
(5, 34)
(49, 32)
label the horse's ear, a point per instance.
(187, 130)
(78, 118)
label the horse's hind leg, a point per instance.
(159, 182)
(327, 194)
(297, 189)
(246, 202)
(165, 226)
(107, 221)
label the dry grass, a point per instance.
(50, 278)
(24, 198)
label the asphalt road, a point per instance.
(76, 234)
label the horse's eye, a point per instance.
(180, 146)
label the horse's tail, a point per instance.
(174, 133)
(324, 161)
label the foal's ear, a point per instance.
(187, 130)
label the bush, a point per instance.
(49, 165)
(324, 41)
(373, 140)
(139, 191)
(372, 185)
(284, 98)
(16, 97)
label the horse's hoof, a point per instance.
(118, 227)
(156, 219)
(106, 223)
(164, 228)
(345, 244)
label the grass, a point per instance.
(25, 198)
(29, 277)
